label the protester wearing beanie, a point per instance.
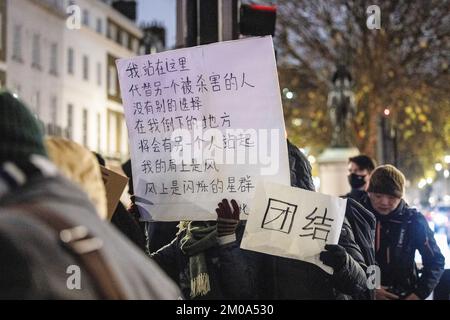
(400, 231)
(388, 180)
(47, 224)
(386, 189)
(20, 132)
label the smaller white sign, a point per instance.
(293, 223)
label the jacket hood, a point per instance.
(81, 167)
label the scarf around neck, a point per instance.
(199, 237)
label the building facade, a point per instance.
(60, 60)
(33, 56)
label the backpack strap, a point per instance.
(81, 245)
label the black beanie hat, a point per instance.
(387, 179)
(20, 132)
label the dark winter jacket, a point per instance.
(229, 269)
(357, 195)
(284, 278)
(126, 223)
(300, 168)
(160, 233)
(32, 246)
(297, 280)
(398, 236)
(362, 223)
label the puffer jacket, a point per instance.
(398, 236)
(289, 279)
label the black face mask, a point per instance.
(356, 181)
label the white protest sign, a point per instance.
(204, 123)
(293, 223)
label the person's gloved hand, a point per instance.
(133, 209)
(335, 256)
(227, 218)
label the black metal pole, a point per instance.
(395, 146)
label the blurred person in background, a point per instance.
(156, 233)
(205, 258)
(125, 221)
(359, 169)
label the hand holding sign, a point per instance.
(335, 256)
(227, 219)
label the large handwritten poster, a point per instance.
(204, 123)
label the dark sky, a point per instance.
(163, 11)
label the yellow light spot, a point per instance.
(423, 43)
(422, 117)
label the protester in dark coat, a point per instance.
(300, 168)
(205, 259)
(400, 231)
(39, 252)
(293, 279)
(359, 169)
(124, 220)
(156, 233)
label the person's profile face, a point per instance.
(353, 168)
